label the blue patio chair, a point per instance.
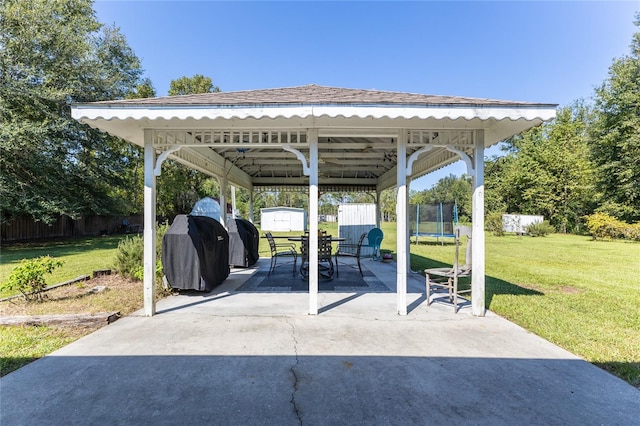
(374, 239)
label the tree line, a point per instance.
(56, 53)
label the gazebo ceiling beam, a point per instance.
(271, 181)
(211, 163)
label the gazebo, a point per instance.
(323, 138)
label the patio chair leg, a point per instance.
(273, 265)
(295, 261)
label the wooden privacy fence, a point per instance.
(25, 228)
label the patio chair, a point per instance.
(287, 250)
(374, 239)
(350, 250)
(325, 261)
(447, 278)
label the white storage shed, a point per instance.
(518, 222)
(283, 219)
(353, 220)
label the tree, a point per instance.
(546, 171)
(192, 85)
(51, 54)
(388, 202)
(143, 90)
(615, 135)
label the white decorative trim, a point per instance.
(158, 168)
(452, 112)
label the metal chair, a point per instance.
(281, 250)
(350, 250)
(374, 239)
(325, 261)
(447, 278)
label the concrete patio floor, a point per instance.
(239, 358)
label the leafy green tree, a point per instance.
(179, 188)
(53, 53)
(242, 203)
(297, 199)
(192, 85)
(388, 201)
(546, 171)
(615, 135)
(143, 90)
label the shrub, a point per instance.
(493, 224)
(633, 232)
(540, 229)
(602, 226)
(28, 277)
(130, 255)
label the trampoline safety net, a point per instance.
(433, 220)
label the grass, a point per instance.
(580, 294)
(20, 345)
(81, 256)
(24, 344)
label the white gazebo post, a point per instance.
(378, 213)
(233, 201)
(408, 239)
(477, 232)
(312, 136)
(251, 218)
(401, 224)
(149, 225)
(223, 201)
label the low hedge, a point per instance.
(601, 226)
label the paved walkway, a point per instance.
(258, 359)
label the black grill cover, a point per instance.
(243, 243)
(195, 253)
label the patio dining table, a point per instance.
(324, 272)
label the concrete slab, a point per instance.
(257, 358)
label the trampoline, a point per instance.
(432, 220)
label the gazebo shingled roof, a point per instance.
(313, 94)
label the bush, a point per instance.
(493, 224)
(633, 232)
(130, 255)
(540, 229)
(28, 277)
(602, 226)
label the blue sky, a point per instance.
(551, 52)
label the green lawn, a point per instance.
(580, 294)
(81, 256)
